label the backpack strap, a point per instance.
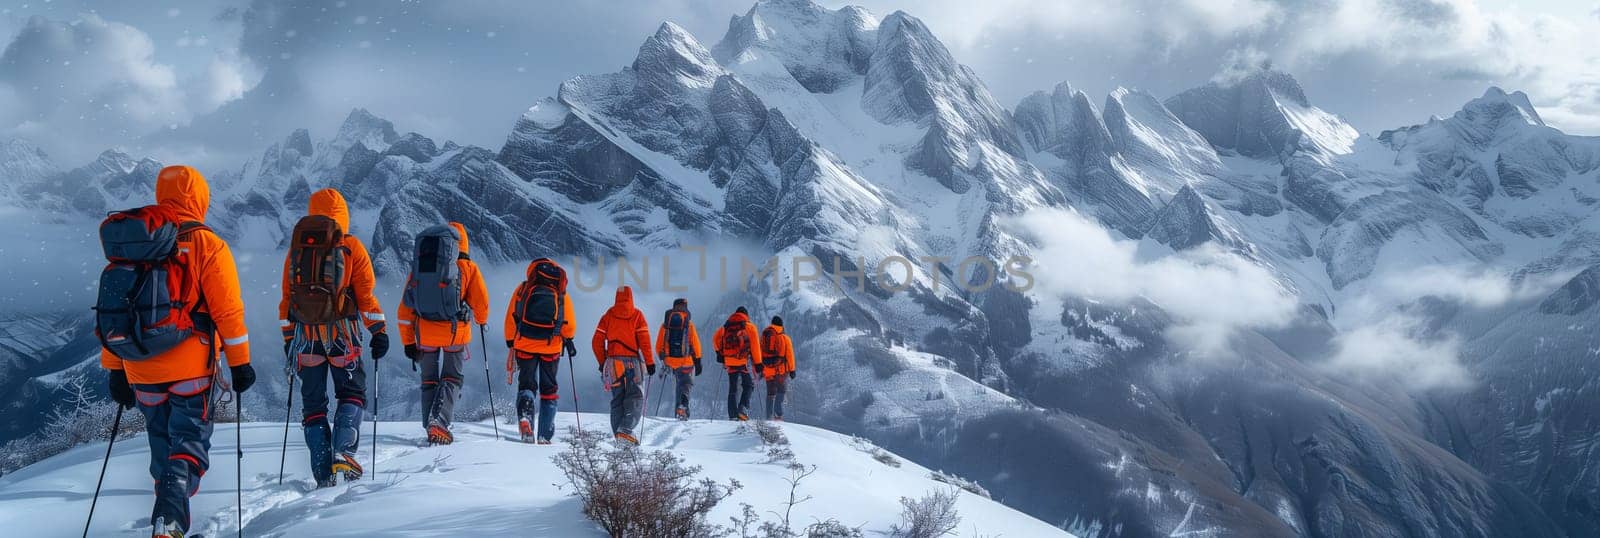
(202, 319)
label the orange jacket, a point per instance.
(692, 345)
(622, 332)
(730, 357)
(549, 346)
(358, 266)
(785, 349)
(449, 333)
(183, 189)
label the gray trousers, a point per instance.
(441, 384)
(685, 378)
(627, 400)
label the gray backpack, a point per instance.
(434, 290)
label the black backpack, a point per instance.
(434, 290)
(148, 300)
(677, 325)
(542, 302)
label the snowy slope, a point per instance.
(476, 486)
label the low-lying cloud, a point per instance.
(1211, 293)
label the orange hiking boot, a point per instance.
(346, 465)
(628, 437)
(743, 417)
(683, 414)
(438, 435)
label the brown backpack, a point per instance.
(771, 347)
(319, 289)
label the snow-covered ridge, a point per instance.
(480, 485)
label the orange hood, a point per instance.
(776, 328)
(329, 203)
(739, 317)
(185, 190)
(462, 231)
(623, 309)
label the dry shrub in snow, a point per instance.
(931, 516)
(638, 494)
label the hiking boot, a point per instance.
(544, 440)
(778, 418)
(743, 417)
(163, 529)
(683, 414)
(627, 437)
(438, 435)
(327, 483)
(526, 429)
(347, 465)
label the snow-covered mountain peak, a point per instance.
(822, 49)
(674, 52)
(1262, 114)
(1062, 122)
(1497, 108)
(22, 163)
(365, 128)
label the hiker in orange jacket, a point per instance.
(436, 330)
(621, 343)
(678, 345)
(776, 366)
(173, 388)
(321, 326)
(738, 350)
(540, 324)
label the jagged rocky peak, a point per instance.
(298, 141)
(23, 164)
(674, 53)
(822, 49)
(1185, 222)
(1261, 113)
(415, 147)
(1497, 108)
(365, 128)
(1063, 122)
(1576, 296)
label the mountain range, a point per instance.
(838, 134)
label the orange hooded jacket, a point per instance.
(622, 332)
(692, 346)
(448, 333)
(358, 266)
(551, 346)
(183, 189)
(783, 362)
(735, 358)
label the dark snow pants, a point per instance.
(178, 426)
(317, 368)
(441, 383)
(740, 387)
(777, 389)
(685, 379)
(627, 400)
(538, 372)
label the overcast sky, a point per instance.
(209, 82)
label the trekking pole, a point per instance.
(483, 339)
(655, 410)
(376, 373)
(288, 412)
(572, 374)
(646, 398)
(116, 424)
(238, 464)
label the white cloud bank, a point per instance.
(1211, 293)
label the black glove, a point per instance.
(650, 369)
(719, 358)
(243, 377)
(380, 345)
(411, 351)
(760, 372)
(572, 350)
(697, 366)
(791, 374)
(121, 392)
(511, 344)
